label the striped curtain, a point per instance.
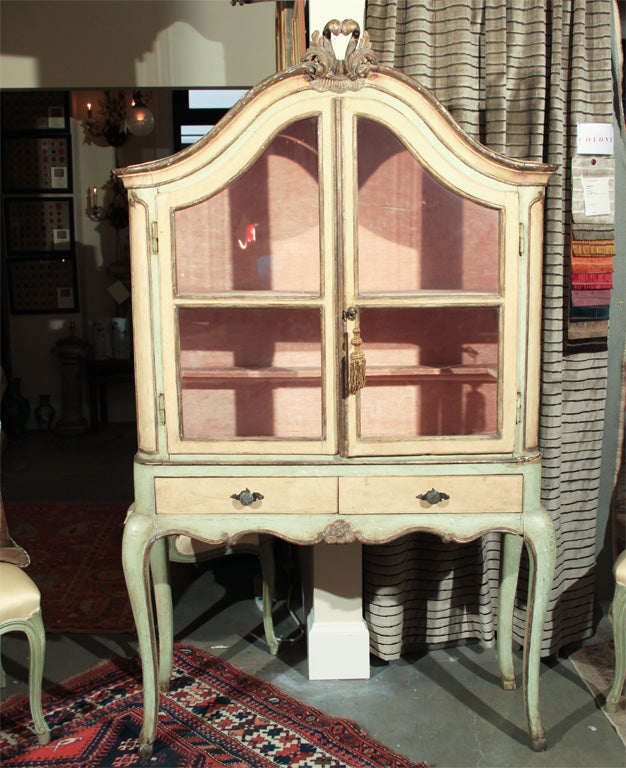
(518, 76)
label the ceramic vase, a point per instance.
(15, 409)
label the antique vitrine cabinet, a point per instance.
(336, 302)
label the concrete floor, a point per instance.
(445, 707)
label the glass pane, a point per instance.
(261, 233)
(250, 373)
(415, 234)
(430, 372)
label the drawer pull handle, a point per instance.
(247, 497)
(433, 496)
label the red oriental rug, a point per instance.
(75, 550)
(214, 715)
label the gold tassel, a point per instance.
(356, 368)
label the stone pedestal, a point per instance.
(337, 635)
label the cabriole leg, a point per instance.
(618, 618)
(136, 546)
(511, 555)
(159, 570)
(541, 545)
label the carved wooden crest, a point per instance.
(326, 71)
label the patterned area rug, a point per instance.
(214, 715)
(76, 561)
(595, 664)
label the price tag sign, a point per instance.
(593, 189)
(594, 139)
(596, 196)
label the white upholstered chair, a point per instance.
(183, 549)
(20, 610)
(618, 618)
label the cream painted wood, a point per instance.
(531, 285)
(279, 496)
(145, 379)
(472, 494)
(232, 401)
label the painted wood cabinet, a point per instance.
(336, 300)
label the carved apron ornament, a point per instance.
(339, 532)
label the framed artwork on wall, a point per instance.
(35, 110)
(42, 286)
(37, 225)
(37, 164)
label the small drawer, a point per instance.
(397, 495)
(213, 495)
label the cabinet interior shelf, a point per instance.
(473, 373)
(250, 373)
(469, 373)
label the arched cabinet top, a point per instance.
(323, 84)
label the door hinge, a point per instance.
(522, 240)
(161, 409)
(518, 408)
(154, 237)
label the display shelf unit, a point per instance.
(336, 301)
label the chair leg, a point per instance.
(266, 558)
(618, 617)
(34, 629)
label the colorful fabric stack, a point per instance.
(591, 283)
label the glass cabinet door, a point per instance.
(249, 315)
(426, 282)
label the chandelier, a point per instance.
(116, 118)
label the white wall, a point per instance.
(322, 11)
(120, 43)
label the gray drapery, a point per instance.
(518, 76)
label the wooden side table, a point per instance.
(101, 373)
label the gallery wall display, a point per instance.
(39, 246)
